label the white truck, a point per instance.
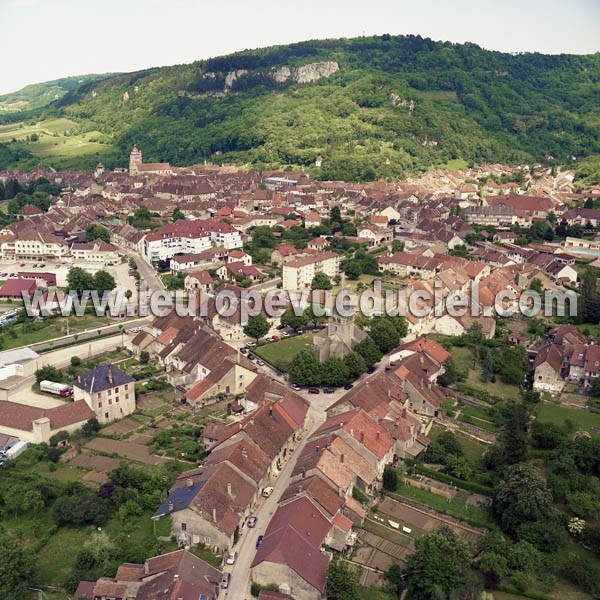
(60, 389)
(16, 449)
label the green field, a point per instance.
(58, 139)
(280, 354)
(473, 450)
(456, 507)
(581, 419)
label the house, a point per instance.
(405, 264)
(37, 425)
(96, 252)
(178, 575)
(449, 325)
(312, 219)
(548, 369)
(283, 253)
(291, 554)
(299, 272)
(234, 270)
(15, 289)
(505, 236)
(108, 391)
(198, 281)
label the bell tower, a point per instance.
(135, 160)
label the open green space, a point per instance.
(280, 353)
(581, 419)
(473, 450)
(455, 508)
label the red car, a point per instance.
(314, 391)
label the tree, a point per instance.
(16, 568)
(305, 368)
(334, 372)
(178, 215)
(355, 364)
(144, 357)
(49, 373)
(547, 435)
(290, 319)
(128, 294)
(342, 583)
(368, 350)
(321, 281)
(521, 497)
(103, 282)
(335, 214)
(263, 237)
(397, 246)
(313, 318)
(439, 565)
(256, 327)
(90, 427)
(448, 377)
(390, 479)
(511, 447)
(95, 232)
(384, 334)
(79, 280)
(352, 269)
(82, 507)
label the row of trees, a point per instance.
(385, 334)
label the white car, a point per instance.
(267, 491)
(260, 363)
(134, 330)
(231, 557)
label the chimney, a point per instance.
(342, 458)
(171, 506)
(175, 576)
(244, 453)
(229, 489)
(318, 448)
(421, 359)
(270, 411)
(215, 515)
(377, 435)
(404, 413)
(189, 482)
(300, 489)
(109, 376)
(362, 437)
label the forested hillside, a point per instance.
(376, 107)
(41, 94)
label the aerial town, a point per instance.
(285, 456)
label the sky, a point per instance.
(46, 39)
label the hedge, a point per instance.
(470, 486)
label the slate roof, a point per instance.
(180, 498)
(101, 378)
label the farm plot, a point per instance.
(130, 450)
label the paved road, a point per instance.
(60, 358)
(148, 274)
(239, 587)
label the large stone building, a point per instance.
(108, 391)
(339, 338)
(137, 167)
(299, 273)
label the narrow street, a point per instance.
(239, 586)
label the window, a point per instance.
(126, 396)
(184, 527)
(109, 392)
(126, 386)
(106, 415)
(110, 401)
(117, 399)
(99, 404)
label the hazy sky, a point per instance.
(47, 39)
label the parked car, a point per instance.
(252, 521)
(274, 338)
(251, 343)
(296, 387)
(260, 363)
(134, 330)
(280, 327)
(314, 391)
(42, 266)
(22, 265)
(371, 370)
(329, 390)
(244, 350)
(285, 333)
(267, 491)
(348, 386)
(251, 356)
(225, 580)
(259, 541)
(231, 557)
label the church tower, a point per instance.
(135, 160)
